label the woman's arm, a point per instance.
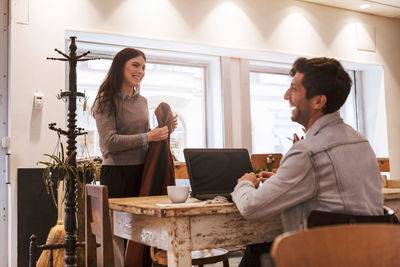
(109, 137)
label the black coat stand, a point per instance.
(71, 241)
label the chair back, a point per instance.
(323, 218)
(383, 164)
(98, 227)
(341, 245)
(181, 170)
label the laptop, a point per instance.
(214, 171)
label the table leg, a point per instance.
(118, 244)
(179, 249)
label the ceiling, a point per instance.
(386, 8)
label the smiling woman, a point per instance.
(133, 74)
(122, 121)
(182, 86)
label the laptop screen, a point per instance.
(216, 170)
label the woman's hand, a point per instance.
(174, 123)
(157, 134)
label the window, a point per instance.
(90, 74)
(351, 111)
(182, 87)
(178, 70)
(272, 128)
(181, 84)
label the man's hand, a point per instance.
(264, 175)
(250, 177)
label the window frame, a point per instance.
(231, 80)
(214, 131)
(269, 67)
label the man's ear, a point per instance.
(319, 102)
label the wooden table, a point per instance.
(181, 228)
(392, 199)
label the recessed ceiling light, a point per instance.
(363, 6)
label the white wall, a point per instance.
(283, 26)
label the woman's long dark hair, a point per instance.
(109, 90)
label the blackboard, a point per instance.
(36, 211)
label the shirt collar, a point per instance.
(328, 119)
(125, 96)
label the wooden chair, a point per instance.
(367, 245)
(324, 218)
(199, 257)
(98, 227)
(385, 167)
(260, 161)
(181, 170)
(383, 164)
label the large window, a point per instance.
(182, 86)
(191, 78)
(272, 128)
(352, 109)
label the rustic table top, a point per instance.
(391, 193)
(161, 206)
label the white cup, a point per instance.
(178, 193)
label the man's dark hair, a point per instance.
(324, 76)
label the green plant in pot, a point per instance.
(88, 171)
(57, 169)
(258, 170)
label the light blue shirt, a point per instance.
(333, 169)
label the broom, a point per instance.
(56, 236)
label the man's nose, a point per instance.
(287, 94)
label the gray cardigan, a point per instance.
(333, 169)
(122, 137)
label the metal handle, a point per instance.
(7, 168)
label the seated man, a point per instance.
(333, 169)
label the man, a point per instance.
(333, 169)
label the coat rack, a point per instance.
(71, 241)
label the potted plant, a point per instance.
(88, 171)
(57, 169)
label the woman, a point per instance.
(122, 120)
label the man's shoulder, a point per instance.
(333, 135)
